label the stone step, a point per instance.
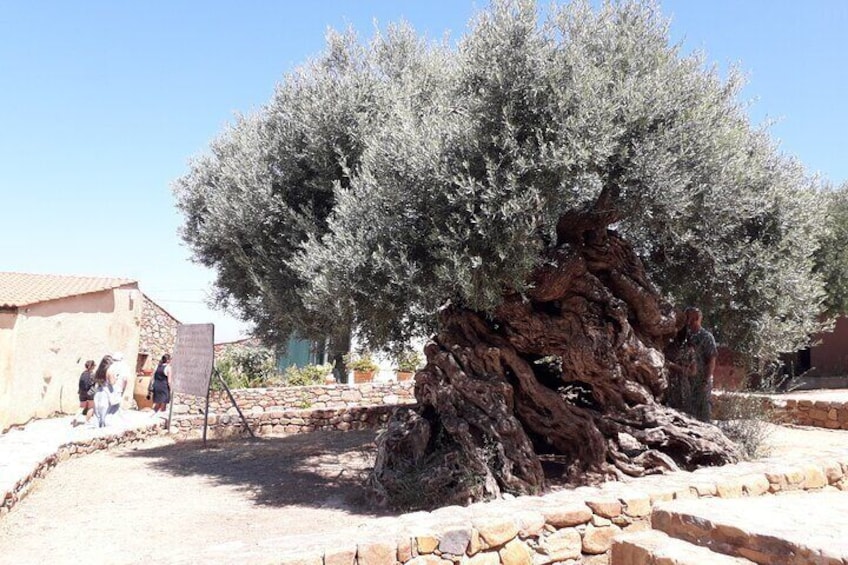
(790, 529)
(653, 547)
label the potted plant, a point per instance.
(408, 361)
(363, 367)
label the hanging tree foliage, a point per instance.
(535, 198)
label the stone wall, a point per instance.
(819, 409)
(829, 414)
(280, 399)
(280, 422)
(158, 334)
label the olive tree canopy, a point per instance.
(536, 196)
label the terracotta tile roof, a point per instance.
(22, 289)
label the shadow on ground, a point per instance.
(319, 469)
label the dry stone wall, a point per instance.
(283, 422)
(158, 333)
(279, 399)
(799, 409)
(807, 412)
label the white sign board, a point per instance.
(193, 358)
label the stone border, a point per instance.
(39, 467)
(577, 524)
(804, 412)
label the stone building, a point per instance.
(158, 332)
(51, 324)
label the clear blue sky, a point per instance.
(103, 102)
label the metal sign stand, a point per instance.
(232, 399)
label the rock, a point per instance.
(566, 515)
(729, 488)
(495, 532)
(429, 560)
(755, 484)
(597, 540)
(606, 507)
(636, 504)
(455, 541)
(337, 556)
(485, 558)
(426, 544)
(559, 546)
(376, 553)
(516, 552)
(530, 523)
(404, 549)
(600, 521)
(814, 477)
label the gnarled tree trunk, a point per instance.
(567, 378)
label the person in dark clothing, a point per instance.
(162, 385)
(692, 359)
(85, 391)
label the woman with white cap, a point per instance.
(118, 378)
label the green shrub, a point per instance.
(247, 367)
(745, 419)
(408, 361)
(307, 375)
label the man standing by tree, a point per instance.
(702, 352)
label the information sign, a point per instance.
(193, 358)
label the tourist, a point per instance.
(102, 390)
(162, 385)
(118, 376)
(85, 391)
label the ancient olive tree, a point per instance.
(535, 198)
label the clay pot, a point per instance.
(404, 375)
(363, 376)
(140, 392)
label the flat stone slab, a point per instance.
(791, 529)
(654, 547)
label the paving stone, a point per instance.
(654, 547)
(768, 529)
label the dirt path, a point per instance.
(180, 503)
(170, 503)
